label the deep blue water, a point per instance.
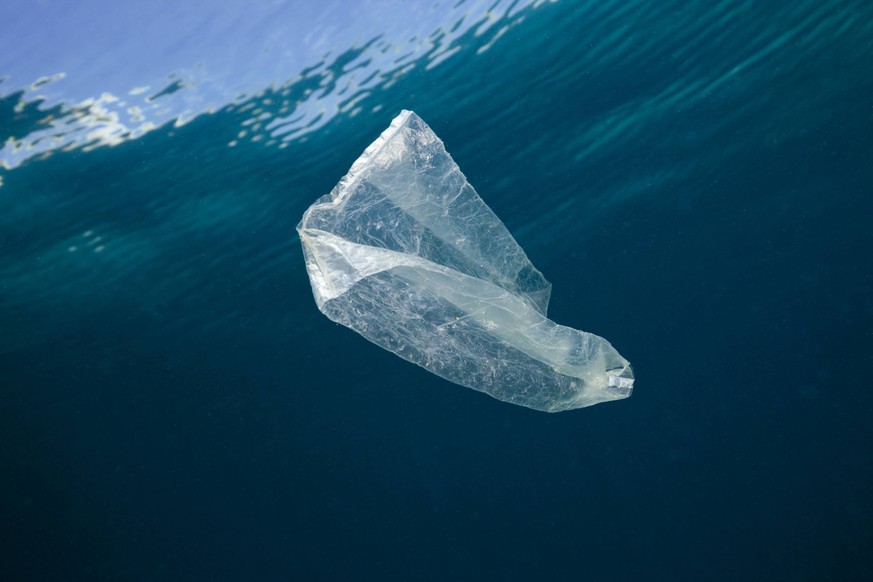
(695, 180)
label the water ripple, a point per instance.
(316, 64)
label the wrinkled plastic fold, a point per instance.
(406, 253)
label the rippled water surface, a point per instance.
(694, 179)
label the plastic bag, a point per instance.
(404, 252)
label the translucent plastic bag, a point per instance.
(404, 252)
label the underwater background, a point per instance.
(694, 178)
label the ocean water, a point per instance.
(695, 179)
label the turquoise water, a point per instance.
(694, 180)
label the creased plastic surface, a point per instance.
(406, 253)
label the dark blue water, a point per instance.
(694, 179)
